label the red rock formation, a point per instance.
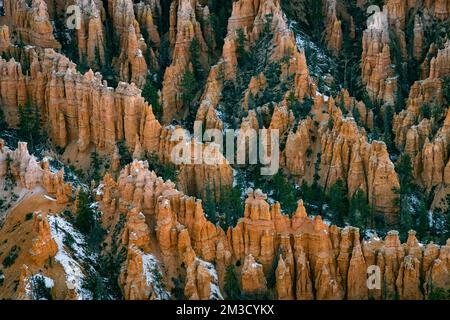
(439, 66)
(377, 71)
(44, 246)
(32, 24)
(5, 40)
(345, 155)
(184, 27)
(90, 35)
(24, 289)
(253, 280)
(333, 31)
(30, 174)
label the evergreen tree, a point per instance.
(231, 284)
(425, 111)
(39, 288)
(164, 57)
(209, 205)
(166, 171)
(85, 215)
(87, 222)
(194, 50)
(422, 223)
(29, 124)
(95, 284)
(388, 136)
(300, 109)
(284, 192)
(3, 124)
(241, 51)
(360, 213)
(338, 201)
(125, 156)
(356, 115)
(330, 124)
(150, 94)
(404, 172)
(95, 167)
(9, 176)
(189, 87)
(177, 289)
(231, 205)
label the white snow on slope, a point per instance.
(71, 265)
(151, 269)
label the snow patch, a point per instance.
(152, 273)
(74, 274)
(49, 198)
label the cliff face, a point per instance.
(32, 24)
(267, 73)
(377, 71)
(44, 246)
(29, 173)
(166, 236)
(184, 28)
(345, 154)
(91, 34)
(314, 260)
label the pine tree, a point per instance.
(150, 94)
(39, 288)
(95, 284)
(85, 215)
(284, 192)
(9, 176)
(231, 284)
(388, 116)
(338, 201)
(194, 50)
(3, 124)
(359, 210)
(422, 224)
(241, 51)
(189, 87)
(231, 205)
(356, 115)
(95, 166)
(209, 204)
(404, 172)
(29, 124)
(425, 111)
(125, 156)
